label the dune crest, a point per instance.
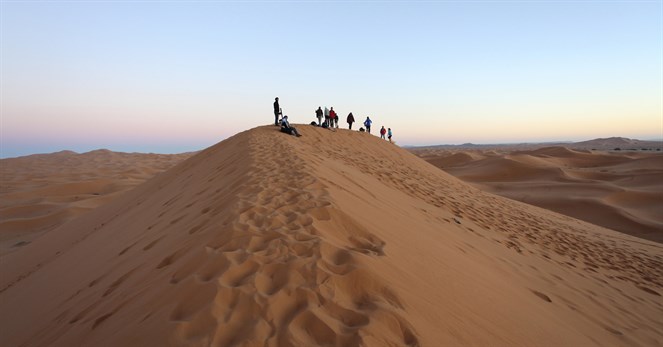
(333, 238)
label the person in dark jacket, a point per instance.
(277, 111)
(351, 119)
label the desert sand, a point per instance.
(620, 190)
(41, 192)
(334, 238)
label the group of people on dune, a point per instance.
(330, 121)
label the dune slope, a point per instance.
(333, 238)
(622, 191)
(40, 192)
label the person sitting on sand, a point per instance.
(351, 119)
(389, 134)
(367, 124)
(286, 128)
(383, 131)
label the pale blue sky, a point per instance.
(175, 76)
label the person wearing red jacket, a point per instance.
(383, 131)
(333, 118)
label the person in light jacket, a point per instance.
(367, 124)
(318, 114)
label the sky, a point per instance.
(176, 76)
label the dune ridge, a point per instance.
(334, 238)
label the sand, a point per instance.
(620, 190)
(334, 238)
(41, 192)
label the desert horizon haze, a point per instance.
(171, 77)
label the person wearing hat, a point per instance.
(277, 111)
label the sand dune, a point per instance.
(618, 190)
(331, 239)
(454, 159)
(41, 192)
(605, 144)
(611, 143)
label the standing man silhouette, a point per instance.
(277, 111)
(351, 119)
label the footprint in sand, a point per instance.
(541, 296)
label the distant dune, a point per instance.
(331, 239)
(607, 144)
(618, 190)
(41, 192)
(619, 142)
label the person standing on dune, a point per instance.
(326, 116)
(333, 118)
(383, 131)
(277, 111)
(318, 114)
(367, 124)
(389, 134)
(351, 119)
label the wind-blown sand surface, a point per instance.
(333, 238)
(41, 192)
(618, 190)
